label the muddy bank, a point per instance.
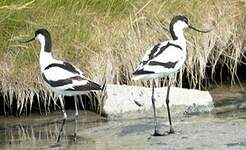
(229, 98)
(205, 131)
(195, 129)
(196, 132)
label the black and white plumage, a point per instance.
(161, 60)
(61, 77)
(165, 59)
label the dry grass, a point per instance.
(107, 38)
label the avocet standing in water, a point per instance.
(165, 59)
(61, 77)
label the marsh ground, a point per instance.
(207, 131)
(225, 131)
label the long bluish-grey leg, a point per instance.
(76, 106)
(156, 133)
(168, 111)
(64, 119)
(76, 116)
(81, 102)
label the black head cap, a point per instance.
(46, 34)
(177, 18)
(174, 20)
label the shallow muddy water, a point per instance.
(203, 131)
(40, 132)
(227, 131)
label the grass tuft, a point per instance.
(107, 38)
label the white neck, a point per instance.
(181, 40)
(180, 35)
(45, 58)
(178, 32)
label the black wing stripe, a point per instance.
(65, 66)
(152, 52)
(167, 65)
(175, 45)
(163, 48)
(87, 87)
(141, 72)
(58, 82)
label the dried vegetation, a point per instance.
(107, 38)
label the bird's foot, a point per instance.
(171, 131)
(157, 133)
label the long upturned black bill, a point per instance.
(29, 40)
(202, 31)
